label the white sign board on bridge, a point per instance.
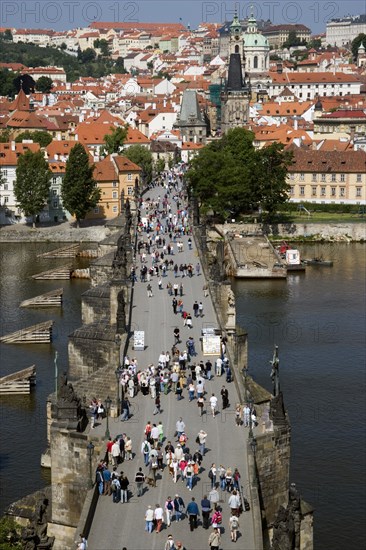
(211, 344)
(139, 340)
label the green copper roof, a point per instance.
(236, 22)
(251, 40)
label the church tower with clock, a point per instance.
(235, 96)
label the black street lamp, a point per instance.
(108, 403)
(90, 449)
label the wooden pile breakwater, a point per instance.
(48, 299)
(70, 251)
(19, 382)
(57, 274)
(40, 333)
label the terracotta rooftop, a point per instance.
(308, 160)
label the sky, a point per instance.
(69, 14)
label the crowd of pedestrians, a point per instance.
(164, 233)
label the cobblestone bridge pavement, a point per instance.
(121, 525)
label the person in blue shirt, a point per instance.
(192, 513)
(206, 509)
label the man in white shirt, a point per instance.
(202, 435)
(213, 404)
(158, 516)
(116, 452)
(218, 366)
(180, 427)
(154, 434)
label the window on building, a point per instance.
(129, 177)
(333, 191)
(358, 191)
(96, 210)
(323, 177)
(302, 176)
(322, 191)
(130, 190)
(6, 186)
(114, 195)
(359, 178)
(6, 200)
(114, 184)
(292, 190)
(302, 190)
(313, 177)
(334, 177)
(4, 172)
(255, 62)
(343, 177)
(54, 180)
(342, 191)
(55, 204)
(114, 208)
(313, 190)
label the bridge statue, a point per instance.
(121, 313)
(275, 374)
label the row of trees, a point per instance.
(79, 191)
(230, 177)
(87, 64)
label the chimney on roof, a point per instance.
(12, 145)
(296, 123)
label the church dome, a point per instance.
(255, 40)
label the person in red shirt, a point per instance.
(109, 450)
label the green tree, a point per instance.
(87, 55)
(4, 136)
(31, 188)
(103, 45)
(114, 141)
(230, 177)
(119, 66)
(44, 84)
(143, 158)
(63, 46)
(9, 534)
(272, 189)
(79, 189)
(159, 165)
(356, 43)
(292, 40)
(7, 87)
(39, 136)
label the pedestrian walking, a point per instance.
(193, 513)
(234, 526)
(139, 480)
(213, 405)
(149, 519)
(201, 440)
(214, 539)
(149, 291)
(169, 507)
(158, 517)
(224, 397)
(200, 309)
(124, 487)
(169, 545)
(178, 504)
(206, 509)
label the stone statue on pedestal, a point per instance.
(66, 391)
(121, 313)
(275, 374)
(34, 537)
(283, 531)
(120, 258)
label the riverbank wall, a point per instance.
(332, 232)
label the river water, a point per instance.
(23, 418)
(316, 319)
(318, 322)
